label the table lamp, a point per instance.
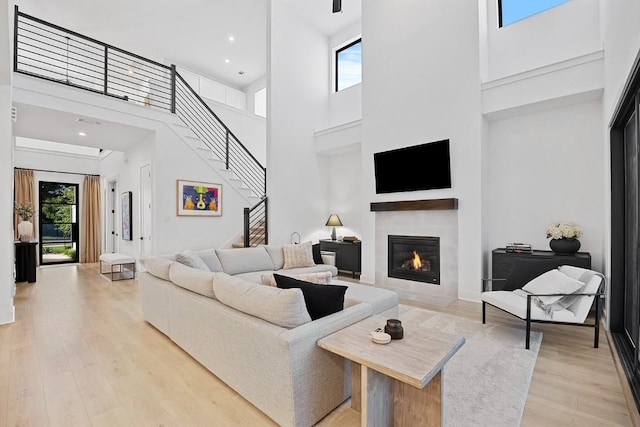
(334, 221)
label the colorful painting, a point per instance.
(199, 199)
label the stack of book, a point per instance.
(519, 247)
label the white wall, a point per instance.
(545, 168)
(297, 106)
(170, 161)
(59, 162)
(250, 129)
(7, 311)
(173, 160)
(560, 33)
(621, 35)
(344, 175)
(418, 89)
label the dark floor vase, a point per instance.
(564, 246)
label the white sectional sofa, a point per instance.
(256, 338)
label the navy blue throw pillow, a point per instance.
(321, 300)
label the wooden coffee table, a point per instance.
(399, 383)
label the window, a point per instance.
(260, 102)
(510, 11)
(349, 65)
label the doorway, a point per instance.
(58, 223)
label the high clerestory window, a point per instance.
(510, 11)
(348, 61)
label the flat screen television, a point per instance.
(420, 167)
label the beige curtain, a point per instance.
(90, 222)
(24, 192)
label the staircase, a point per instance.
(50, 52)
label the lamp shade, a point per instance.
(334, 221)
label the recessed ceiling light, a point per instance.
(227, 61)
(82, 133)
(231, 38)
(241, 72)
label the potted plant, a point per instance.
(25, 211)
(564, 237)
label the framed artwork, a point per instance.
(199, 198)
(126, 203)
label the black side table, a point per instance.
(25, 261)
(348, 255)
(520, 268)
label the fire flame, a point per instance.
(417, 262)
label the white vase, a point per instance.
(25, 230)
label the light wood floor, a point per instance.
(80, 353)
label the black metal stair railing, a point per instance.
(203, 122)
(50, 52)
(255, 224)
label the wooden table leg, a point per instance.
(355, 386)
(377, 399)
(418, 407)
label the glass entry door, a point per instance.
(59, 227)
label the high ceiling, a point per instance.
(190, 33)
(193, 34)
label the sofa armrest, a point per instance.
(320, 328)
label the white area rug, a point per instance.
(487, 381)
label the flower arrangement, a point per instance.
(564, 230)
(24, 210)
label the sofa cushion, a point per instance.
(321, 300)
(319, 278)
(158, 266)
(244, 260)
(315, 269)
(191, 259)
(282, 307)
(210, 258)
(193, 279)
(276, 254)
(296, 256)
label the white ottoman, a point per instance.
(126, 266)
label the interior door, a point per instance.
(145, 210)
(59, 223)
(110, 229)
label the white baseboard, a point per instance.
(469, 296)
(8, 316)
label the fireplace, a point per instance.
(415, 258)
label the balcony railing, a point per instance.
(50, 52)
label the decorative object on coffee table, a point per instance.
(394, 329)
(333, 221)
(25, 228)
(564, 237)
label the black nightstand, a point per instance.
(348, 254)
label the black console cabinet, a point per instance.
(26, 261)
(520, 268)
(348, 255)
